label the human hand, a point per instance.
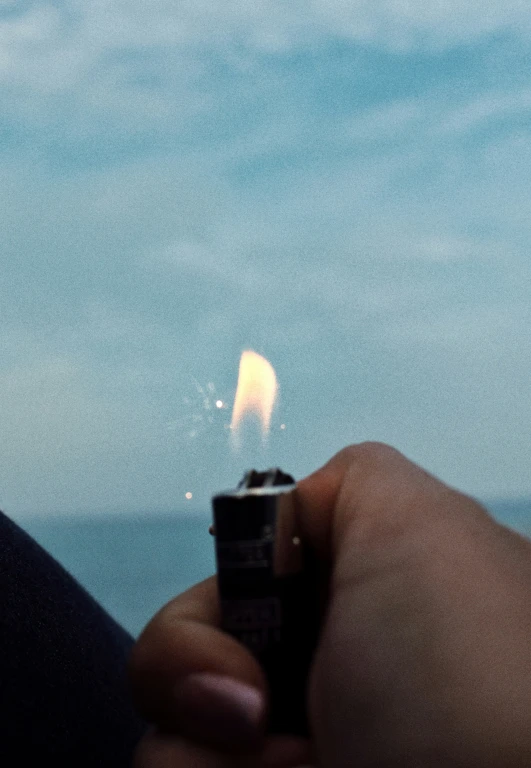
(424, 657)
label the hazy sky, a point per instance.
(344, 187)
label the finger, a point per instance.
(375, 491)
(164, 751)
(158, 750)
(192, 679)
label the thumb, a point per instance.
(420, 585)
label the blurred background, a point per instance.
(343, 187)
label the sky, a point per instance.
(343, 187)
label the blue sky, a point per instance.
(343, 187)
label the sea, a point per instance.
(134, 564)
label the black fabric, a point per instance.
(63, 692)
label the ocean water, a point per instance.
(133, 565)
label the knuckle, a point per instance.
(376, 452)
(371, 473)
(368, 453)
(381, 488)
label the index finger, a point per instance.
(185, 671)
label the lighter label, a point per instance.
(252, 615)
(244, 554)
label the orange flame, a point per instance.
(256, 391)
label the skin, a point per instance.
(424, 657)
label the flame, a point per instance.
(256, 391)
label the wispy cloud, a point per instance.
(344, 186)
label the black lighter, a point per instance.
(266, 588)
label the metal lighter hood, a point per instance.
(255, 528)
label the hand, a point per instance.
(424, 657)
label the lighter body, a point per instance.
(266, 592)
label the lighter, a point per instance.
(266, 588)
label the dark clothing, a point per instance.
(64, 699)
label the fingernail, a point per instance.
(220, 711)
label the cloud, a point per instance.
(334, 184)
(51, 48)
(102, 82)
(485, 109)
